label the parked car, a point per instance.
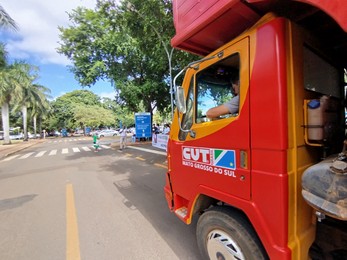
(94, 132)
(108, 132)
(13, 136)
(30, 135)
(16, 136)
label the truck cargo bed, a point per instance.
(203, 26)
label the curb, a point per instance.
(17, 148)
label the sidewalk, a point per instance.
(8, 149)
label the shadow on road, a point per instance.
(15, 202)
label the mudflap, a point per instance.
(331, 240)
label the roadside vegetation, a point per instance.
(127, 44)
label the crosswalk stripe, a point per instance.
(26, 155)
(53, 152)
(40, 154)
(67, 140)
(11, 157)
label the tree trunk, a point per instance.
(25, 122)
(5, 114)
(40, 126)
(35, 130)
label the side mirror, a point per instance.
(180, 100)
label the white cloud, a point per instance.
(38, 23)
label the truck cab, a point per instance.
(267, 180)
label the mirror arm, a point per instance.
(192, 133)
(219, 55)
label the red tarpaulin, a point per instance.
(203, 26)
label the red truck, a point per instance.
(269, 180)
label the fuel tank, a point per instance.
(324, 187)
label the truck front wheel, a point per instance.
(223, 233)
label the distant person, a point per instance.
(133, 138)
(230, 107)
(96, 142)
(156, 129)
(123, 138)
(166, 130)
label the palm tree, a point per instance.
(33, 95)
(3, 56)
(25, 79)
(6, 21)
(10, 88)
(40, 109)
(6, 75)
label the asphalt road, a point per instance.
(61, 200)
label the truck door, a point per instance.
(219, 147)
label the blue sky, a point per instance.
(37, 39)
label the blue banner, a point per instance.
(143, 125)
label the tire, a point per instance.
(224, 233)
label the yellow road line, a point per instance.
(161, 165)
(142, 159)
(72, 239)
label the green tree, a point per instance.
(34, 104)
(123, 114)
(18, 90)
(33, 95)
(16, 83)
(12, 80)
(81, 108)
(6, 75)
(82, 96)
(93, 116)
(121, 43)
(3, 56)
(41, 107)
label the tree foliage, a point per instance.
(78, 109)
(93, 116)
(33, 96)
(127, 44)
(18, 90)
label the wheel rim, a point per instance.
(222, 246)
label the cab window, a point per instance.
(214, 87)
